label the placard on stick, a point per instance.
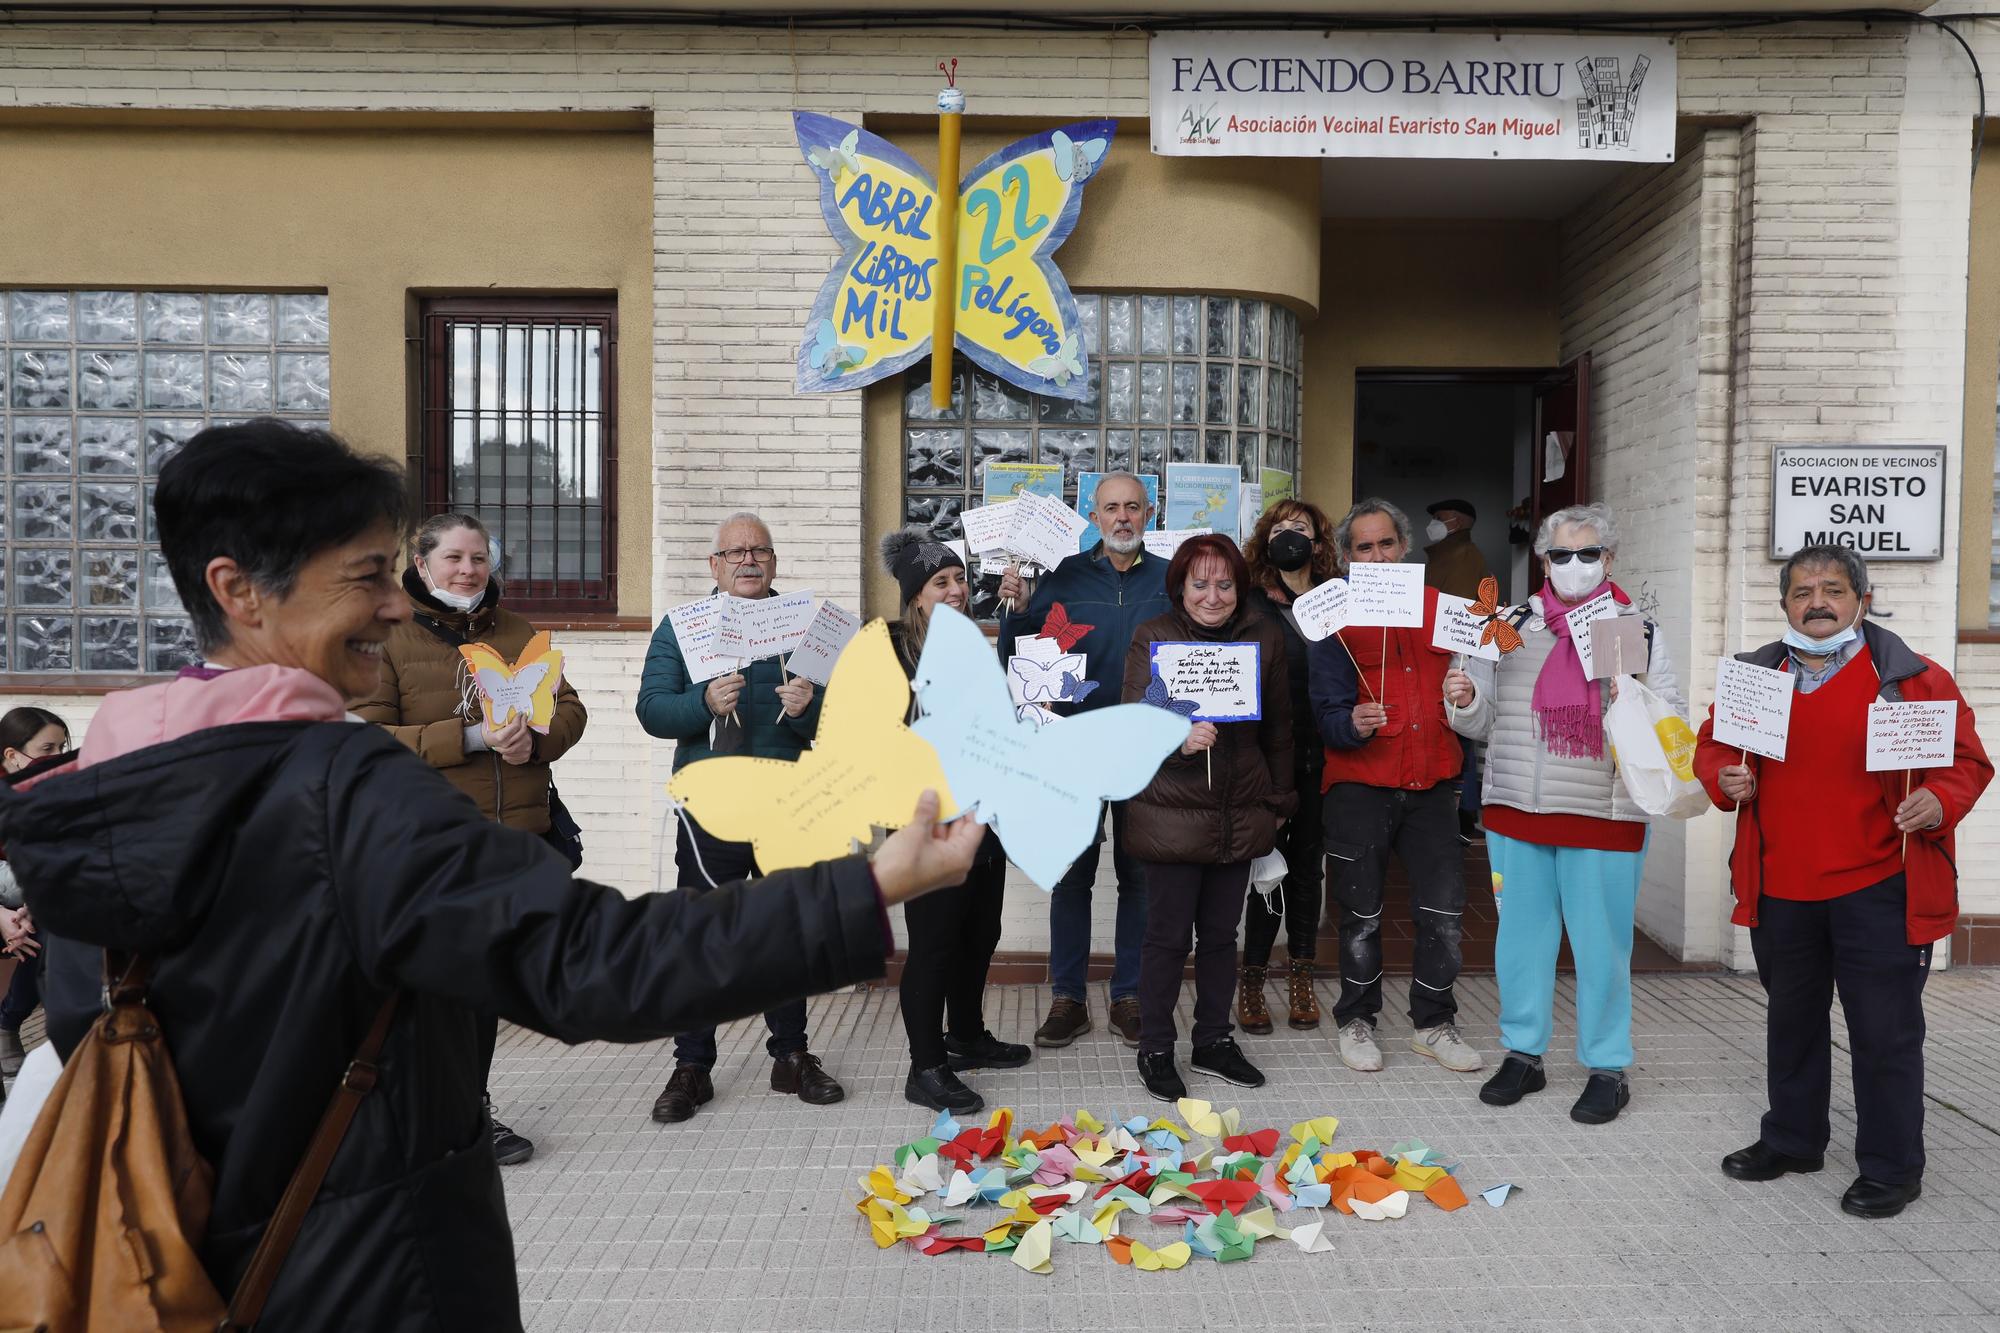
(1580, 621)
(1753, 707)
(1224, 679)
(1385, 594)
(1322, 611)
(1459, 631)
(1912, 735)
(826, 637)
(1617, 647)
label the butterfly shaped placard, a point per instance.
(1040, 788)
(525, 686)
(1058, 680)
(865, 770)
(1015, 316)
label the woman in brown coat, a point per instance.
(1210, 810)
(426, 698)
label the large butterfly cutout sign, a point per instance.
(526, 686)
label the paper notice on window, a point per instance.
(989, 527)
(826, 635)
(1618, 647)
(754, 628)
(1384, 594)
(1459, 631)
(1753, 707)
(1604, 604)
(1223, 679)
(1164, 544)
(1322, 611)
(698, 631)
(1911, 735)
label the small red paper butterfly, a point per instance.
(1062, 629)
(1487, 610)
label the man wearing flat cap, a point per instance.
(1452, 564)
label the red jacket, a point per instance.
(1930, 867)
(1417, 749)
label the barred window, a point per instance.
(519, 427)
(1173, 379)
(98, 388)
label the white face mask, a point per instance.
(1576, 578)
(1436, 531)
(457, 601)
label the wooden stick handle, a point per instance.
(1359, 674)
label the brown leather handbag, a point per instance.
(109, 1198)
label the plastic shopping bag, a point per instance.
(1653, 747)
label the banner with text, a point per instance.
(1348, 94)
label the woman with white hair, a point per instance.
(1567, 844)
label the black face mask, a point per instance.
(1289, 550)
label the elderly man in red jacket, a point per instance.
(1845, 878)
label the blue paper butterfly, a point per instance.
(1157, 696)
(1075, 689)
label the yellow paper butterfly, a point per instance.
(865, 770)
(1015, 315)
(527, 685)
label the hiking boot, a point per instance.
(11, 1054)
(985, 1051)
(1603, 1098)
(1304, 999)
(1125, 1020)
(1068, 1019)
(1443, 1044)
(1760, 1161)
(800, 1073)
(1224, 1060)
(1518, 1077)
(688, 1089)
(1358, 1050)
(509, 1148)
(940, 1090)
(1157, 1072)
(1252, 1015)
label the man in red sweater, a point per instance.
(1391, 756)
(1845, 878)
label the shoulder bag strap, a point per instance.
(442, 630)
(284, 1225)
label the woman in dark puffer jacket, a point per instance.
(1213, 808)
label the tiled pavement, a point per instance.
(743, 1217)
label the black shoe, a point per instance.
(688, 1089)
(939, 1089)
(986, 1051)
(1469, 831)
(1878, 1198)
(801, 1073)
(1760, 1161)
(509, 1148)
(1157, 1072)
(1225, 1061)
(1603, 1098)
(1515, 1080)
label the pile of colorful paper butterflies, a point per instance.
(1204, 1187)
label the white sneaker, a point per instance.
(1443, 1044)
(1358, 1050)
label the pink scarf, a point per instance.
(1569, 710)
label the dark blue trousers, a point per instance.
(726, 861)
(1855, 944)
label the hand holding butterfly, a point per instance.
(720, 696)
(797, 695)
(1738, 782)
(1458, 691)
(1370, 718)
(921, 855)
(1201, 736)
(512, 741)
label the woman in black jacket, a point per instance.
(952, 934)
(1289, 555)
(286, 870)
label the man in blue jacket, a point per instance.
(1112, 588)
(755, 711)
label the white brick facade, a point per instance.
(1798, 276)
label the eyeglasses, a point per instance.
(1562, 555)
(736, 555)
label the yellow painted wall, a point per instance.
(370, 214)
(1982, 370)
(1417, 295)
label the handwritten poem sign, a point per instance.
(826, 636)
(1030, 528)
(1164, 544)
(1223, 678)
(1911, 735)
(1323, 611)
(1753, 707)
(758, 627)
(1458, 631)
(1382, 594)
(1579, 627)
(698, 631)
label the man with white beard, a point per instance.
(1110, 588)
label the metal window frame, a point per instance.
(431, 461)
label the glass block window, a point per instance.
(520, 429)
(1173, 379)
(97, 390)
